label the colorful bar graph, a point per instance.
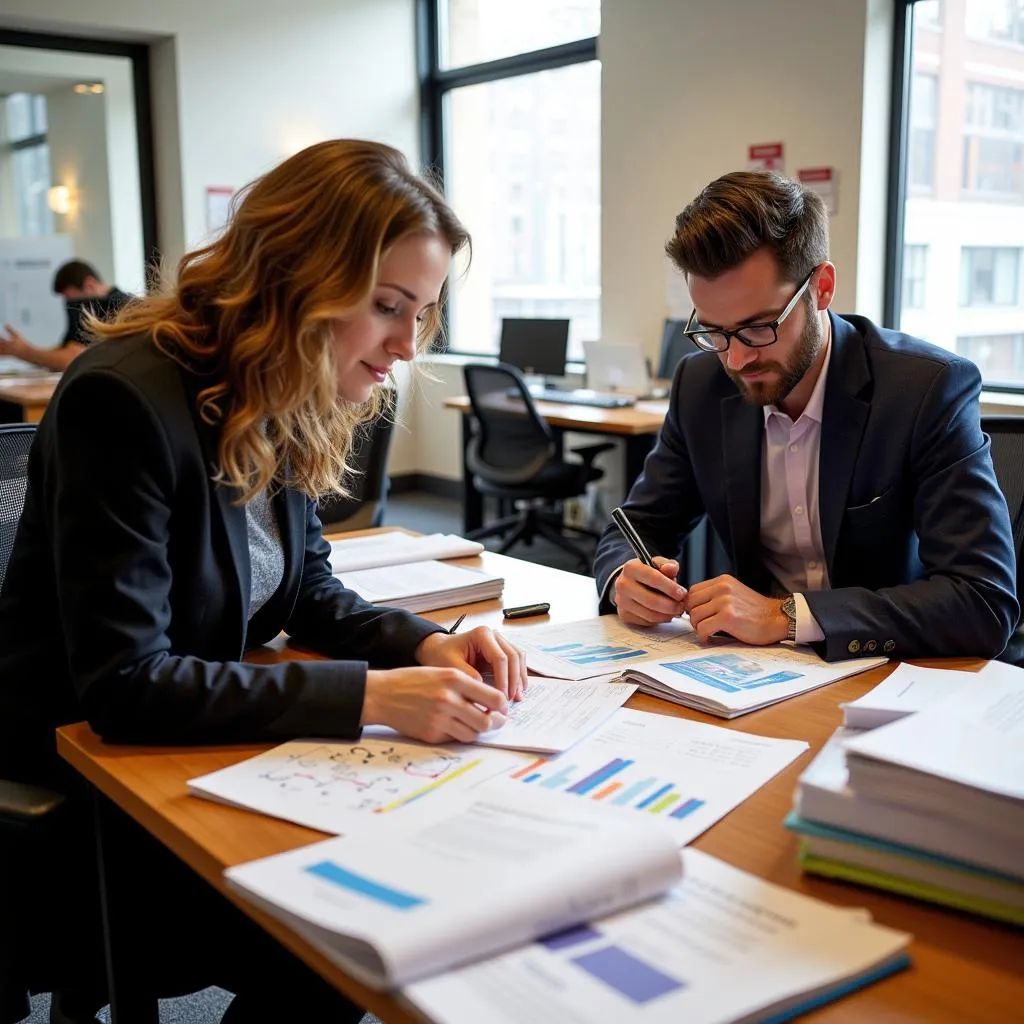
(654, 797)
(532, 766)
(595, 779)
(663, 804)
(534, 777)
(628, 795)
(613, 787)
(559, 778)
(687, 808)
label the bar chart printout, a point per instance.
(620, 782)
(596, 654)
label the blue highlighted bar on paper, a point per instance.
(628, 975)
(328, 871)
(595, 779)
(688, 808)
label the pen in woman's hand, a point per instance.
(455, 625)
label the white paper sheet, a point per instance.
(352, 553)
(723, 946)
(335, 785)
(906, 690)
(423, 586)
(686, 774)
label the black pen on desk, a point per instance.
(626, 527)
(455, 625)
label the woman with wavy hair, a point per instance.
(170, 523)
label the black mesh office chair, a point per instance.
(674, 345)
(514, 456)
(1007, 433)
(367, 483)
(33, 954)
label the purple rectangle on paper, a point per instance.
(688, 808)
(629, 976)
(570, 937)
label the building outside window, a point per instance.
(963, 214)
(989, 277)
(519, 148)
(25, 170)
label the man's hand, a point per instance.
(645, 596)
(436, 705)
(14, 343)
(478, 651)
(726, 605)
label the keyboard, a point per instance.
(583, 396)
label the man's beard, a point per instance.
(776, 392)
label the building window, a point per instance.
(989, 276)
(924, 105)
(26, 161)
(1000, 357)
(518, 147)
(999, 21)
(994, 140)
(915, 262)
(956, 231)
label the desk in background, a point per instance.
(30, 393)
(965, 968)
(637, 426)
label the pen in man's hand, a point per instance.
(455, 625)
(641, 552)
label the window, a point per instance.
(989, 277)
(1000, 357)
(994, 140)
(518, 145)
(996, 20)
(915, 259)
(957, 207)
(27, 158)
(924, 104)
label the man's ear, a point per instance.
(825, 288)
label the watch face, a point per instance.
(789, 607)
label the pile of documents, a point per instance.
(554, 910)
(397, 548)
(930, 805)
(723, 677)
(424, 586)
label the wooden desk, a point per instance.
(965, 968)
(32, 394)
(638, 427)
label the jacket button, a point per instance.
(889, 646)
(853, 646)
(871, 645)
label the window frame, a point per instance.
(436, 82)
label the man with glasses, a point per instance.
(842, 466)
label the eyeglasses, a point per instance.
(752, 335)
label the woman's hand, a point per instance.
(478, 651)
(436, 705)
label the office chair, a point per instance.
(30, 820)
(514, 456)
(674, 345)
(1007, 434)
(367, 482)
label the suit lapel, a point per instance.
(742, 439)
(842, 427)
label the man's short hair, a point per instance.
(744, 211)
(73, 274)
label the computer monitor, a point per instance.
(535, 346)
(674, 345)
(616, 366)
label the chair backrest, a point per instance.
(1007, 433)
(674, 345)
(367, 483)
(511, 442)
(15, 442)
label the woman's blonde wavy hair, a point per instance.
(253, 309)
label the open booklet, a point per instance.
(721, 677)
(400, 902)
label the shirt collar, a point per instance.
(816, 403)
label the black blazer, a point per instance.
(126, 599)
(916, 532)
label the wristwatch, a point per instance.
(788, 608)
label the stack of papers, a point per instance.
(906, 690)
(396, 548)
(600, 923)
(424, 586)
(931, 805)
(721, 677)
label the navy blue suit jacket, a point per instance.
(915, 529)
(126, 599)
